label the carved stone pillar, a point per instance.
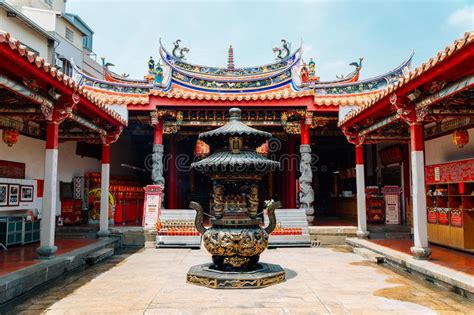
(157, 156)
(306, 193)
(157, 165)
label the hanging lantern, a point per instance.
(10, 136)
(263, 149)
(201, 149)
(460, 137)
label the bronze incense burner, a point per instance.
(235, 239)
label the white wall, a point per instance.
(31, 152)
(442, 149)
(44, 18)
(25, 34)
(58, 5)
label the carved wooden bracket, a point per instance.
(157, 115)
(111, 136)
(353, 137)
(65, 109)
(405, 110)
(293, 128)
(171, 128)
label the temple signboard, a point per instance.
(152, 205)
(451, 172)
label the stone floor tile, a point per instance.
(321, 281)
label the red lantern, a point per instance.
(263, 149)
(202, 149)
(10, 136)
(460, 137)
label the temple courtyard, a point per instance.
(319, 281)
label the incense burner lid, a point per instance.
(235, 128)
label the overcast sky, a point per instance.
(334, 33)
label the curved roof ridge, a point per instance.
(228, 73)
(120, 79)
(91, 78)
(343, 82)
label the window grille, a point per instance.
(69, 34)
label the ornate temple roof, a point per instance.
(229, 80)
(174, 78)
(459, 44)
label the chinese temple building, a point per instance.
(177, 100)
(389, 126)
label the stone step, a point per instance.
(76, 229)
(386, 228)
(369, 255)
(99, 255)
(389, 235)
(70, 236)
(398, 236)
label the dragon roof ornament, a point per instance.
(224, 73)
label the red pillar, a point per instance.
(291, 174)
(172, 176)
(106, 153)
(359, 151)
(52, 133)
(158, 132)
(304, 133)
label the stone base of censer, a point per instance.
(263, 276)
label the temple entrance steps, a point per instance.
(77, 232)
(394, 232)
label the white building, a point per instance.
(71, 36)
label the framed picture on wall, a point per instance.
(26, 193)
(3, 194)
(13, 195)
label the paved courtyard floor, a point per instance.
(319, 281)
